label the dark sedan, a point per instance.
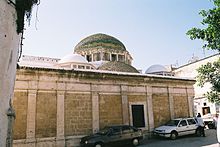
(113, 136)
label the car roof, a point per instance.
(183, 118)
(110, 126)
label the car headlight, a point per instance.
(86, 142)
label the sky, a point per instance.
(153, 31)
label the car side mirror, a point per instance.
(180, 125)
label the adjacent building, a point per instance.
(201, 103)
(9, 47)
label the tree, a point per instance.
(210, 35)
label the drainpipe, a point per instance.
(11, 118)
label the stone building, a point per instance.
(57, 105)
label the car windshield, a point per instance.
(104, 131)
(172, 123)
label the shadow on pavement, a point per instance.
(183, 141)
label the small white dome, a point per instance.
(156, 68)
(73, 58)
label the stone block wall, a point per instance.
(46, 114)
(78, 114)
(181, 106)
(57, 108)
(20, 105)
(136, 98)
(110, 110)
(161, 109)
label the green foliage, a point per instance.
(24, 8)
(210, 34)
(210, 73)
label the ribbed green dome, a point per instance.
(100, 40)
(118, 66)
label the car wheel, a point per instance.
(211, 126)
(173, 135)
(135, 142)
(98, 145)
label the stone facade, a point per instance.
(80, 108)
(46, 110)
(9, 45)
(20, 99)
(110, 112)
(60, 106)
(161, 109)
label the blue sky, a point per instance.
(153, 31)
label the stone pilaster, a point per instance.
(60, 118)
(124, 99)
(171, 102)
(95, 112)
(31, 116)
(190, 96)
(92, 58)
(150, 108)
(101, 56)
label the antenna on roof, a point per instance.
(193, 59)
(203, 50)
(177, 63)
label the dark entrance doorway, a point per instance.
(205, 110)
(138, 115)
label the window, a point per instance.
(106, 57)
(96, 57)
(183, 123)
(89, 58)
(205, 110)
(121, 58)
(191, 121)
(126, 129)
(114, 57)
(172, 123)
(73, 66)
(116, 131)
(81, 67)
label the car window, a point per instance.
(127, 129)
(183, 123)
(104, 131)
(172, 123)
(191, 121)
(116, 131)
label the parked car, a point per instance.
(178, 127)
(113, 136)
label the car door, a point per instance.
(127, 134)
(115, 136)
(192, 125)
(182, 128)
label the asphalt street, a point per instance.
(186, 141)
